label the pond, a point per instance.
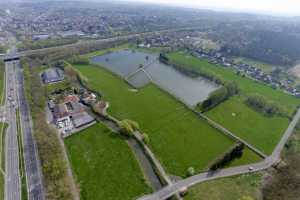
(140, 68)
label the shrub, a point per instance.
(190, 171)
(146, 138)
(127, 127)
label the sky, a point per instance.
(273, 7)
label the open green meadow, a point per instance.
(233, 188)
(259, 130)
(104, 166)
(177, 136)
(246, 85)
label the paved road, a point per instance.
(31, 159)
(170, 190)
(12, 177)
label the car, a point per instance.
(250, 168)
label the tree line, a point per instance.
(235, 152)
(219, 96)
(265, 106)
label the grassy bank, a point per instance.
(104, 166)
(177, 136)
(3, 127)
(233, 188)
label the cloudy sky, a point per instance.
(275, 7)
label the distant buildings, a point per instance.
(40, 37)
(52, 75)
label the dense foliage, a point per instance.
(265, 106)
(285, 181)
(77, 60)
(235, 152)
(128, 127)
(220, 95)
(50, 152)
(278, 48)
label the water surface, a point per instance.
(128, 64)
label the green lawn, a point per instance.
(246, 85)
(257, 129)
(233, 188)
(104, 166)
(177, 136)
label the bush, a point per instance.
(146, 138)
(190, 171)
(127, 127)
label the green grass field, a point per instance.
(233, 188)
(261, 131)
(257, 129)
(246, 85)
(104, 166)
(177, 136)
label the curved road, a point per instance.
(271, 160)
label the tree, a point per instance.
(265, 106)
(190, 171)
(127, 127)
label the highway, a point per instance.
(15, 98)
(12, 176)
(271, 160)
(31, 159)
